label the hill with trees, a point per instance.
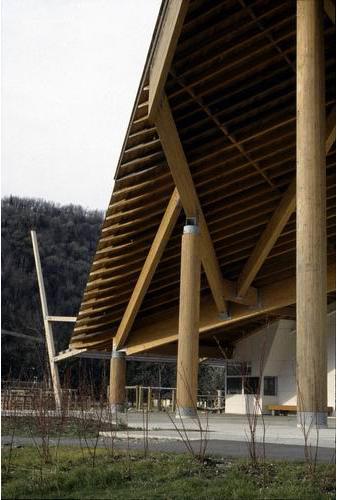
(67, 237)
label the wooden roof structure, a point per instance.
(213, 130)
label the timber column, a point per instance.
(311, 217)
(188, 335)
(117, 381)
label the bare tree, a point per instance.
(254, 411)
(310, 451)
(183, 432)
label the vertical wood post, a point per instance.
(54, 372)
(311, 216)
(117, 381)
(173, 402)
(219, 400)
(140, 400)
(188, 335)
(149, 399)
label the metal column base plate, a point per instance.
(186, 412)
(314, 419)
(118, 408)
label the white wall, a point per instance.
(239, 404)
(332, 360)
(274, 348)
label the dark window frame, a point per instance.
(234, 379)
(275, 379)
(251, 385)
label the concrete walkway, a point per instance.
(227, 436)
(278, 430)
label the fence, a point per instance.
(27, 396)
(164, 398)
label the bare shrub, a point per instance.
(42, 422)
(200, 454)
(13, 422)
(90, 416)
(254, 410)
(253, 413)
(110, 425)
(145, 414)
(310, 451)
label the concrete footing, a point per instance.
(312, 419)
(186, 412)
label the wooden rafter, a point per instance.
(268, 35)
(172, 24)
(163, 329)
(278, 221)
(181, 174)
(156, 251)
(330, 10)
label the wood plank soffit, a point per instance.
(156, 251)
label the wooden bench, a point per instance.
(285, 409)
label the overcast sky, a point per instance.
(70, 73)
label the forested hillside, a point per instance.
(67, 237)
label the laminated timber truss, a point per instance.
(212, 136)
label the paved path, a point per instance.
(227, 435)
(227, 449)
(278, 430)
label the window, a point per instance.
(234, 385)
(251, 385)
(270, 386)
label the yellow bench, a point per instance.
(285, 409)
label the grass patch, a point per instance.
(169, 476)
(65, 427)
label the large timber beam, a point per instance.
(156, 251)
(182, 177)
(163, 329)
(278, 221)
(170, 30)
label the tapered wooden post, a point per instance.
(117, 381)
(188, 335)
(311, 216)
(54, 372)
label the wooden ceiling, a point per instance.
(232, 89)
